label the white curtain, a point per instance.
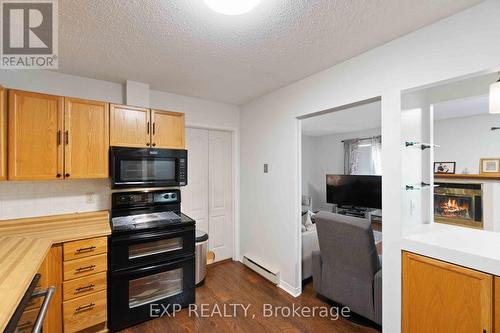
(363, 156)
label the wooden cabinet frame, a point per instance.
(3, 133)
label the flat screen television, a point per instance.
(356, 191)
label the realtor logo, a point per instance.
(29, 34)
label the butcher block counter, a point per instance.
(25, 244)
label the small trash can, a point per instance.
(201, 257)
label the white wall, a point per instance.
(270, 209)
(26, 199)
(322, 155)
(466, 140)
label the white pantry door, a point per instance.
(195, 195)
(208, 197)
(220, 211)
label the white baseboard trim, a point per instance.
(294, 291)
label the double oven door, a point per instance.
(150, 269)
(140, 249)
(138, 295)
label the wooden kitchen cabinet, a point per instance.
(130, 126)
(52, 137)
(3, 133)
(446, 298)
(168, 129)
(35, 136)
(86, 139)
(143, 128)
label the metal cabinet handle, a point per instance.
(154, 128)
(58, 137)
(85, 307)
(86, 249)
(43, 309)
(86, 268)
(90, 286)
(66, 137)
(147, 128)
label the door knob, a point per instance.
(66, 175)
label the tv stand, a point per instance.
(361, 212)
(352, 211)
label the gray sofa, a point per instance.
(347, 268)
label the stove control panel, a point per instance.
(166, 197)
(146, 198)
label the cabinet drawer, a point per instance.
(84, 286)
(85, 248)
(28, 318)
(84, 312)
(84, 267)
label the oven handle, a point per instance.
(150, 236)
(37, 328)
(154, 267)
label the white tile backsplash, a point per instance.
(29, 199)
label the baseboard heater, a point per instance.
(267, 273)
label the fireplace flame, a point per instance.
(452, 208)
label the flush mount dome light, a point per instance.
(232, 7)
(495, 97)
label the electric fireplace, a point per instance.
(459, 204)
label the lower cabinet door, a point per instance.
(445, 298)
(85, 312)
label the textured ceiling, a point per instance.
(183, 47)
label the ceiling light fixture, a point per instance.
(495, 97)
(232, 7)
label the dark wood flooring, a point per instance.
(231, 283)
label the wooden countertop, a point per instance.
(24, 243)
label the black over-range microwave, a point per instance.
(147, 167)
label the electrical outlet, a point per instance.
(266, 168)
(90, 197)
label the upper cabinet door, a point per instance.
(130, 126)
(3, 134)
(168, 129)
(86, 139)
(35, 136)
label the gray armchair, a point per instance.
(347, 268)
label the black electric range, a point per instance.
(151, 256)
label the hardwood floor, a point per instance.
(233, 283)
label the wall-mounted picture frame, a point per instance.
(444, 168)
(490, 165)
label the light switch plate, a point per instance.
(266, 168)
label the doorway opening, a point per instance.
(341, 204)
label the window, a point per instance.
(363, 156)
